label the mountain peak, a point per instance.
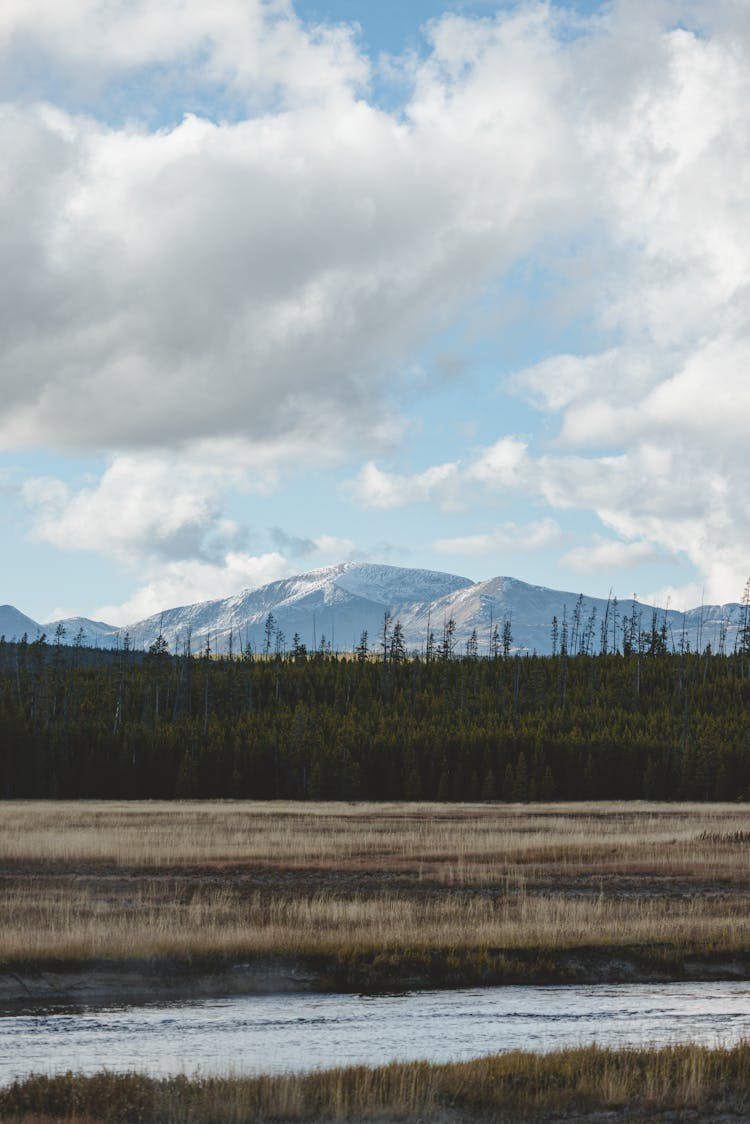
(334, 605)
(14, 624)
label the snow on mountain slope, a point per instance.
(531, 609)
(14, 625)
(90, 633)
(336, 604)
(394, 585)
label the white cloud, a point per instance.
(680, 498)
(664, 410)
(610, 556)
(257, 48)
(262, 279)
(680, 598)
(453, 485)
(507, 537)
(142, 506)
(374, 488)
(258, 278)
(163, 520)
(332, 547)
(564, 381)
(185, 581)
(501, 465)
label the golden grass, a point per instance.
(464, 841)
(76, 924)
(514, 1086)
(82, 880)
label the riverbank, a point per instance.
(685, 1083)
(58, 984)
(127, 902)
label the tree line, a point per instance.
(376, 724)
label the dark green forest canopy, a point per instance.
(79, 723)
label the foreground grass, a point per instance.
(83, 881)
(515, 1086)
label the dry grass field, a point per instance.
(110, 880)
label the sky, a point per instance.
(462, 286)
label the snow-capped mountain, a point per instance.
(335, 605)
(13, 625)
(331, 605)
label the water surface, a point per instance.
(281, 1033)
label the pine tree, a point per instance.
(398, 648)
(268, 631)
(385, 636)
(507, 637)
(472, 646)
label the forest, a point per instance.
(643, 722)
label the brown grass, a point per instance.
(516, 1086)
(77, 923)
(459, 841)
(82, 880)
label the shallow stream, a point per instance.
(278, 1033)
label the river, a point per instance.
(279, 1033)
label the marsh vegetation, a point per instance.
(112, 880)
(692, 1082)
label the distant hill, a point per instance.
(334, 605)
(13, 624)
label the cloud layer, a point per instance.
(256, 278)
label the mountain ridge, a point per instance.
(333, 605)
